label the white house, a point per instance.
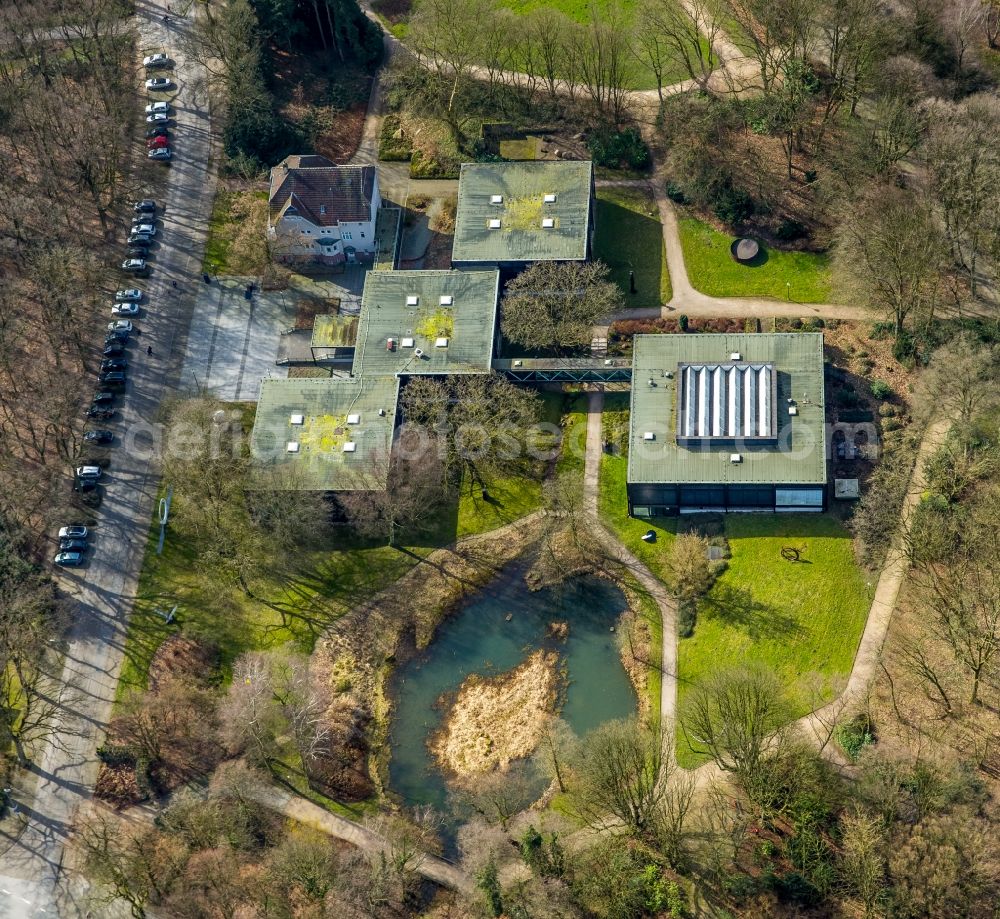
(322, 212)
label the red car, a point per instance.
(155, 142)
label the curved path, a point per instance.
(647, 580)
(817, 725)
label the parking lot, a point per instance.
(233, 342)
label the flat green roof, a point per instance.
(798, 456)
(543, 209)
(334, 330)
(449, 316)
(303, 425)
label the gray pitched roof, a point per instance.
(324, 195)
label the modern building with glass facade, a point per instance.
(728, 423)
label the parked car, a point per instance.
(84, 485)
(125, 309)
(158, 84)
(157, 118)
(121, 325)
(103, 399)
(159, 130)
(100, 413)
(145, 206)
(69, 559)
(74, 531)
(137, 250)
(158, 108)
(101, 437)
(136, 266)
(113, 348)
(159, 153)
(156, 60)
(73, 545)
(113, 379)
(129, 295)
(146, 229)
(89, 472)
(157, 142)
(114, 363)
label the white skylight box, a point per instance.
(441, 343)
(292, 446)
(649, 435)
(496, 199)
(446, 300)
(350, 446)
(354, 419)
(407, 343)
(792, 410)
(549, 199)
(412, 300)
(735, 356)
(495, 223)
(297, 419)
(736, 457)
(548, 223)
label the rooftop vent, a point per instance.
(792, 410)
(495, 223)
(297, 419)
(496, 199)
(441, 343)
(446, 300)
(548, 223)
(390, 344)
(419, 352)
(381, 413)
(407, 343)
(649, 435)
(292, 446)
(354, 419)
(736, 457)
(549, 199)
(735, 356)
(412, 300)
(518, 363)
(350, 446)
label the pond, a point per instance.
(478, 639)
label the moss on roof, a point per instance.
(334, 331)
(522, 188)
(467, 322)
(320, 417)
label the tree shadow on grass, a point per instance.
(737, 606)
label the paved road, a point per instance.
(32, 881)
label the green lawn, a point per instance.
(219, 238)
(803, 619)
(578, 10)
(630, 238)
(327, 580)
(803, 277)
(573, 455)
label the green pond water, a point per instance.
(478, 639)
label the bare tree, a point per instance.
(863, 859)
(740, 718)
(606, 60)
(620, 770)
(399, 495)
(677, 35)
(889, 255)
